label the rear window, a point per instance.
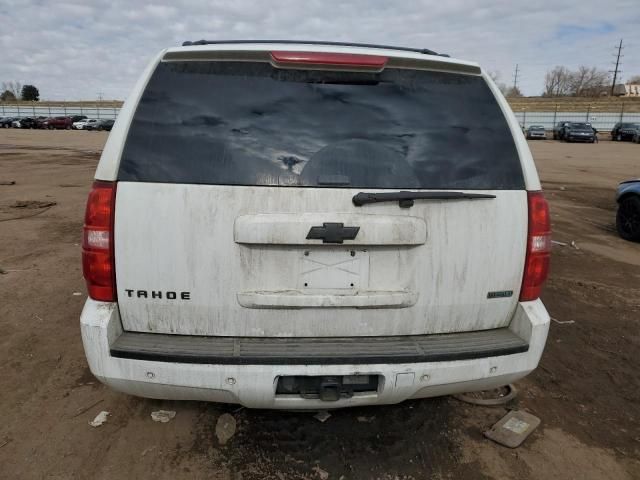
(245, 123)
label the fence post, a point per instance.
(18, 109)
(555, 115)
(622, 111)
(524, 118)
(98, 112)
(588, 111)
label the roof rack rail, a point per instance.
(425, 51)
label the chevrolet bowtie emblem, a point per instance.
(332, 233)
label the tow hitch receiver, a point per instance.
(327, 388)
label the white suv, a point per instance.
(313, 225)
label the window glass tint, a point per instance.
(241, 123)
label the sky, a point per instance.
(87, 49)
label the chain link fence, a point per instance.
(602, 121)
(22, 111)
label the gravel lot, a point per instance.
(586, 390)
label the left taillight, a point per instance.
(98, 261)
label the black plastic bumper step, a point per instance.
(305, 351)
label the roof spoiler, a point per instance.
(424, 51)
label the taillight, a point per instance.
(536, 267)
(98, 262)
(345, 60)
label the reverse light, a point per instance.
(536, 267)
(98, 262)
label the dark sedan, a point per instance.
(579, 132)
(5, 122)
(624, 131)
(628, 215)
(102, 124)
(27, 122)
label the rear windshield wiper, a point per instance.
(405, 199)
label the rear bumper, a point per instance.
(254, 385)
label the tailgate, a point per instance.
(220, 260)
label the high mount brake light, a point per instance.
(98, 262)
(337, 60)
(536, 267)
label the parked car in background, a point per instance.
(78, 118)
(313, 260)
(558, 130)
(635, 133)
(579, 132)
(57, 123)
(26, 122)
(536, 132)
(101, 124)
(40, 121)
(81, 125)
(6, 122)
(622, 131)
(628, 215)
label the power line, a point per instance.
(515, 78)
(617, 70)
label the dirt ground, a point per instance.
(586, 390)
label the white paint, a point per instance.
(240, 253)
(292, 228)
(254, 385)
(173, 237)
(300, 299)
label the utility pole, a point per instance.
(515, 78)
(617, 69)
(100, 96)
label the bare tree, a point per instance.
(557, 82)
(634, 80)
(13, 87)
(588, 82)
(512, 92)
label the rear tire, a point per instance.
(628, 219)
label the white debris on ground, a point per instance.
(322, 416)
(225, 428)
(322, 474)
(163, 416)
(100, 419)
(366, 419)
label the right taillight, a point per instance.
(536, 266)
(98, 265)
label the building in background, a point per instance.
(627, 90)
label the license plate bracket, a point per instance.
(334, 269)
